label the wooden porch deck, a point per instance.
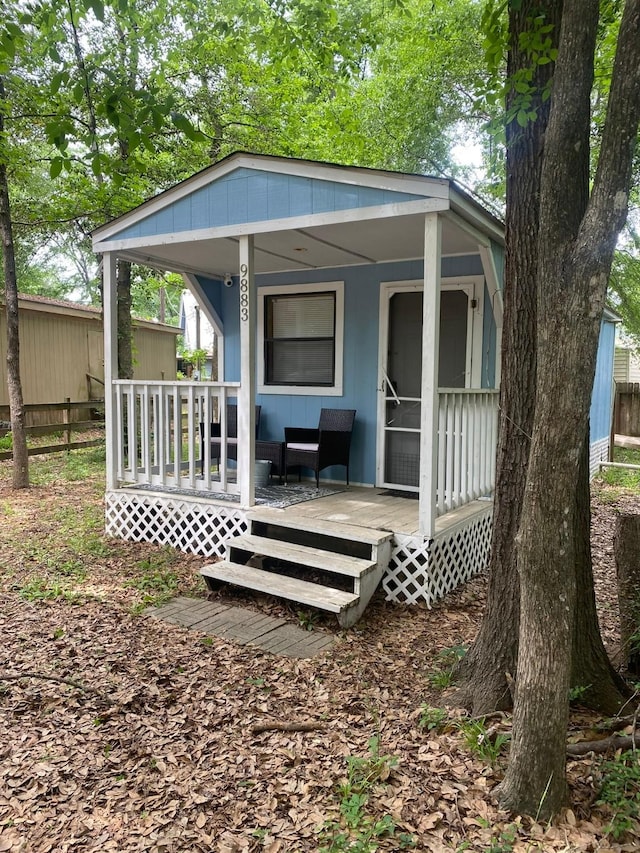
(363, 506)
(366, 506)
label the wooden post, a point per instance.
(430, 348)
(247, 393)
(109, 314)
(627, 553)
(66, 414)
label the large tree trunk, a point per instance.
(576, 243)
(14, 385)
(601, 687)
(627, 551)
(483, 685)
(125, 328)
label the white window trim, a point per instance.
(334, 390)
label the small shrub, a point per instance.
(481, 741)
(620, 791)
(432, 718)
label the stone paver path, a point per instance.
(243, 626)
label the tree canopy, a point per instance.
(109, 102)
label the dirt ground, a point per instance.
(153, 749)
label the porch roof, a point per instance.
(304, 215)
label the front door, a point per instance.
(400, 384)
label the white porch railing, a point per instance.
(467, 435)
(159, 433)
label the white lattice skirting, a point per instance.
(192, 526)
(426, 570)
(419, 570)
(598, 452)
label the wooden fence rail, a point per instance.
(66, 427)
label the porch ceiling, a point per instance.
(330, 245)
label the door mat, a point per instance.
(397, 493)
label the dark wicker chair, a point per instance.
(320, 448)
(232, 436)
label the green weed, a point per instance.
(577, 694)
(446, 661)
(307, 619)
(356, 830)
(157, 581)
(432, 718)
(505, 841)
(43, 589)
(7, 510)
(480, 741)
(620, 791)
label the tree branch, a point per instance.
(607, 209)
(576, 750)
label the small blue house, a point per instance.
(330, 287)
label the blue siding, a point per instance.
(360, 365)
(213, 289)
(602, 397)
(251, 195)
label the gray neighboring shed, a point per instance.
(61, 348)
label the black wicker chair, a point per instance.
(320, 448)
(232, 436)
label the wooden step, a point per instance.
(311, 594)
(302, 555)
(335, 529)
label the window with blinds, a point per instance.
(300, 339)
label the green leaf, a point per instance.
(96, 165)
(57, 80)
(55, 167)
(98, 9)
(78, 93)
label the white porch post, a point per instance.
(247, 395)
(495, 295)
(430, 351)
(110, 331)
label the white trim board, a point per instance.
(262, 226)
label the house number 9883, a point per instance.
(244, 293)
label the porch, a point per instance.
(159, 445)
(164, 497)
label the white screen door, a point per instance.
(401, 368)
